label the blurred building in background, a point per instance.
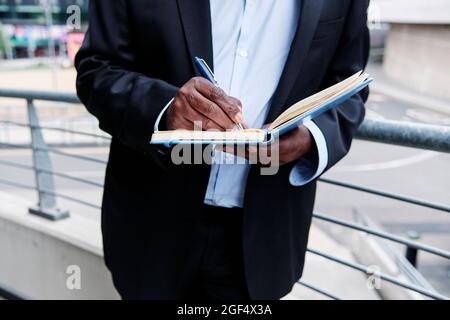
(25, 31)
(418, 43)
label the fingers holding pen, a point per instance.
(201, 101)
(231, 106)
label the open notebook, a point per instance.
(303, 110)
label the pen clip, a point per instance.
(204, 68)
(209, 70)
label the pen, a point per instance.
(206, 73)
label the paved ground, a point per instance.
(38, 78)
(417, 173)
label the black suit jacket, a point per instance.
(136, 54)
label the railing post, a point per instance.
(411, 253)
(46, 207)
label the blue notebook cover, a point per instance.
(283, 129)
(292, 124)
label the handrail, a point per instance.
(391, 195)
(406, 134)
(384, 235)
(381, 275)
(72, 199)
(67, 97)
(77, 132)
(17, 184)
(318, 290)
(58, 152)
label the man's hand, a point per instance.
(201, 101)
(289, 148)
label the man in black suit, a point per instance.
(167, 234)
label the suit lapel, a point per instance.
(196, 20)
(309, 18)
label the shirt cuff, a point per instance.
(158, 120)
(306, 170)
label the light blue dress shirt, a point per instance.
(251, 43)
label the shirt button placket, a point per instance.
(242, 52)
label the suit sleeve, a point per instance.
(126, 102)
(340, 124)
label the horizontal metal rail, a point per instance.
(15, 145)
(69, 198)
(381, 275)
(407, 134)
(58, 152)
(40, 95)
(58, 145)
(72, 178)
(56, 173)
(49, 192)
(16, 184)
(318, 290)
(70, 155)
(81, 133)
(384, 235)
(16, 165)
(385, 194)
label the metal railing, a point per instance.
(414, 135)
(42, 163)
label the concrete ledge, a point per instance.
(391, 88)
(37, 255)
